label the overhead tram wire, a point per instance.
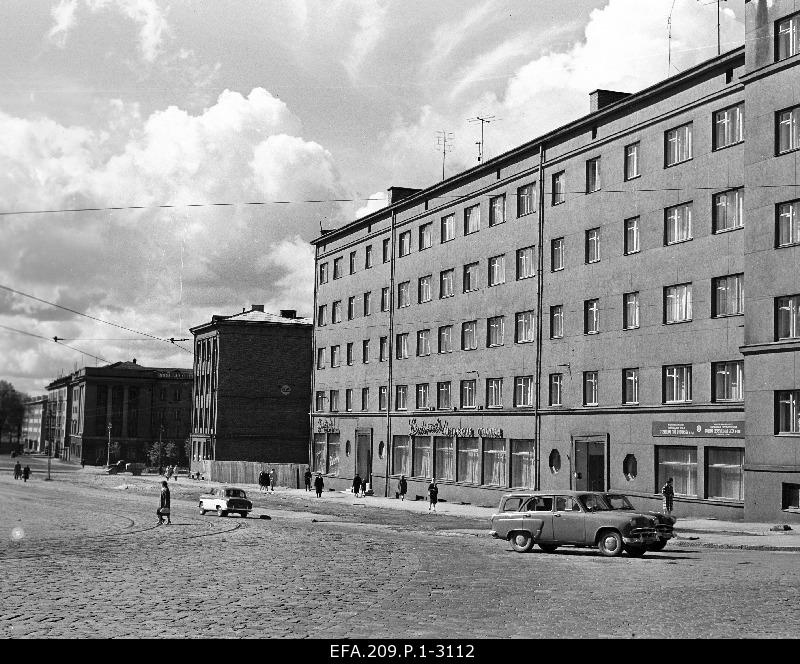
(99, 320)
(55, 339)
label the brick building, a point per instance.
(252, 386)
(34, 425)
(573, 313)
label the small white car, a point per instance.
(225, 500)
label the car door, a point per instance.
(537, 518)
(569, 522)
(509, 518)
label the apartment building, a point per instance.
(34, 425)
(573, 313)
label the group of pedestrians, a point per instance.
(172, 471)
(359, 486)
(433, 492)
(266, 481)
(21, 473)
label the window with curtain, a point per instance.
(469, 460)
(423, 456)
(319, 452)
(522, 463)
(725, 472)
(495, 467)
(445, 458)
(678, 221)
(679, 463)
(401, 455)
(333, 453)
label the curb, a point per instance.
(747, 547)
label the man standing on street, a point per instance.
(307, 478)
(262, 480)
(26, 473)
(433, 495)
(357, 485)
(17, 470)
(402, 487)
(318, 485)
(272, 480)
(163, 510)
(668, 492)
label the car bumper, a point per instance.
(641, 538)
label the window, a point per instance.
(446, 281)
(789, 129)
(422, 396)
(336, 312)
(728, 126)
(446, 339)
(787, 37)
(469, 335)
(679, 463)
(523, 460)
(425, 236)
(348, 400)
(728, 295)
(630, 467)
(444, 457)
(468, 461)
(423, 343)
(788, 317)
(727, 381)
(523, 327)
(368, 260)
(385, 299)
(497, 210)
(495, 468)
(319, 401)
(727, 211)
(322, 315)
(789, 224)
(404, 294)
(678, 383)
(472, 219)
(382, 397)
(589, 388)
(365, 351)
(424, 289)
(321, 358)
(404, 242)
(423, 457)
(630, 386)
(383, 349)
(349, 354)
(632, 161)
(678, 303)
(557, 321)
(334, 401)
(443, 395)
(678, 223)
(401, 397)
(448, 228)
(557, 254)
(630, 311)
(593, 245)
(351, 307)
(468, 394)
(335, 356)
(678, 145)
(494, 392)
(788, 411)
(559, 188)
(631, 236)
(593, 175)
(367, 304)
(554, 389)
(790, 496)
(352, 262)
(497, 270)
(401, 455)
(337, 268)
(591, 316)
(526, 199)
(495, 329)
(525, 265)
(323, 273)
(387, 249)
(470, 277)
(401, 346)
(364, 398)
(523, 391)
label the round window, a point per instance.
(347, 448)
(381, 448)
(555, 461)
(629, 467)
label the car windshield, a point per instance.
(618, 502)
(235, 493)
(595, 502)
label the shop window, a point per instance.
(725, 472)
(401, 455)
(679, 463)
(495, 467)
(468, 460)
(445, 459)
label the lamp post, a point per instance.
(160, 447)
(108, 448)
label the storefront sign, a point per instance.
(327, 426)
(699, 429)
(444, 429)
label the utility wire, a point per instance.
(55, 339)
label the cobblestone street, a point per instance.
(82, 557)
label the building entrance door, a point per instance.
(364, 455)
(590, 464)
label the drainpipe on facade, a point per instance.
(389, 400)
(312, 405)
(537, 447)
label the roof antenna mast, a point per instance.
(481, 144)
(444, 140)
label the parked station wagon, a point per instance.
(665, 523)
(225, 500)
(551, 519)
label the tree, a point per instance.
(171, 453)
(156, 453)
(12, 408)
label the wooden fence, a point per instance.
(246, 472)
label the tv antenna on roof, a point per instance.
(481, 144)
(444, 140)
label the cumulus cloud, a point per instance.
(378, 200)
(63, 20)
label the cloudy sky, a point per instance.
(115, 103)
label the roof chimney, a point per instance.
(602, 98)
(288, 313)
(399, 193)
(257, 307)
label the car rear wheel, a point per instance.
(657, 546)
(221, 512)
(610, 543)
(548, 548)
(521, 542)
(636, 551)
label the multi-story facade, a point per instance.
(34, 425)
(573, 313)
(58, 405)
(252, 384)
(142, 405)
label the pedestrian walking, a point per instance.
(266, 481)
(363, 486)
(307, 478)
(163, 509)
(668, 492)
(272, 480)
(262, 480)
(17, 470)
(357, 485)
(175, 472)
(168, 473)
(26, 473)
(433, 495)
(319, 485)
(402, 487)
(83, 463)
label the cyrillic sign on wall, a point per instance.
(699, 429)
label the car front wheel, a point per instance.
(521, 542)
(610, 543)
(202, 510)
